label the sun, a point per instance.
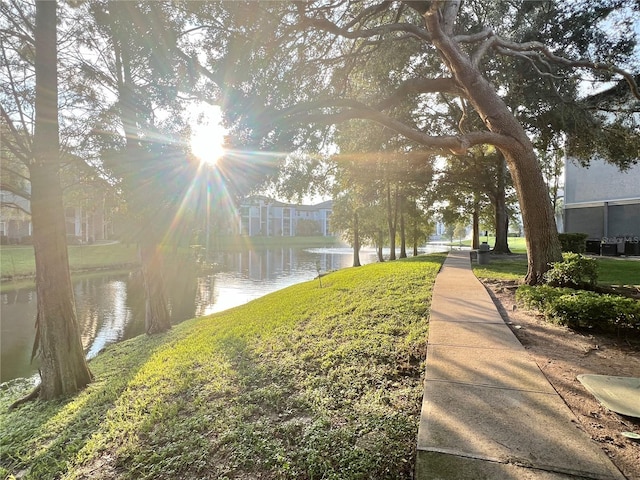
(207, 134)
(207, 144)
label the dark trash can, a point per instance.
(593, 246)
(609, 249)
(631, 248)
(483, 254)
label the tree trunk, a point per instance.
(380, 244)
(63, 369)
(156, 315)
(500, 205)
(403, 236)
(543, 246)
(541, 235)
(392, 216)
(415, 238)
(475, 242)
(356, 241)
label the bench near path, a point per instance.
(488, 412)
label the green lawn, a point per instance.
(18, 261)
(617, 271)
(516, 244)
(259, 241)
(316, 382)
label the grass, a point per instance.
(242, 242)
(305, 383)
(618, 272)
(19, 261)
(516, 244)
(611, 271)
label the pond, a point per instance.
(110, 307)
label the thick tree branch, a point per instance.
(14, 206)
(480, 52)
(474, 37)
(351, 109)
(368, 13)
(18, 192)
(415, 86)
(328, 26)
(529, 57)
(449, 12)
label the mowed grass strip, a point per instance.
(18, 261)
(611, 271)
(310, 382)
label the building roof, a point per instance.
(326, 205)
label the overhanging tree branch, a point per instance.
(18, 192)
(415, 86)
(328, 26)
(351, 109)
(512, 48)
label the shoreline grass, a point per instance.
(18, 260)
(308, 382)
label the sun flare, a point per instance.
(208, 136)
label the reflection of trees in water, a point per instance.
(271, 263)
(86, 293)
(135, 304)
(180, 276)
(115, 304)
(19, 296)
(205, 295)
(181, 283)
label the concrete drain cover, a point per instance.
(619, 394)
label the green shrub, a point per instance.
(538, 297)
(589, 309)
(580, 308)
(573, 242)
(574, 271)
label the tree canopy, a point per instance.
(510, 70)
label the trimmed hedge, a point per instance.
(581, 308)
(573, 242)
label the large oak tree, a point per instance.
(310, 68)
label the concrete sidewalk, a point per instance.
(488, 412)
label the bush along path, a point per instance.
(311, 382)
(572, 297)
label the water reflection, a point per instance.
(110, 307)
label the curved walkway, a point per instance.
(488, 412)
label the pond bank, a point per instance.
(110, 304)
(310, 381)
(18, 262)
